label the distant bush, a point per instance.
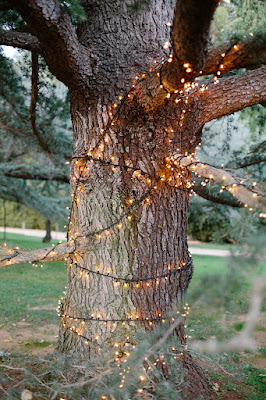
(18, 214)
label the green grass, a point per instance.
(33, 344)
(24, 287)
(211, 245)
(25, 242)
(223, 293)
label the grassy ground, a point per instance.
(28, 320)
(30, 294)
(212, 245)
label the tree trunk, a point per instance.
(47, 238)
(135, 222)
(148, 242)
(131, 240)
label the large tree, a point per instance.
(143, 82)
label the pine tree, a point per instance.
(142, 82)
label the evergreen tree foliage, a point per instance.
(20, 149)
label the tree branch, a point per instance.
(34, 172)
(20, 40)
(232, 94)
(248, 161)
(66, 58)
(209, 195)
(34, 99)
(225, 179)
(249, 55)
(190, 35)
(55, 253)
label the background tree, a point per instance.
(27, 158)
(127, 253)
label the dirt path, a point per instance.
(25, 337)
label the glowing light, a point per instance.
(166, 45)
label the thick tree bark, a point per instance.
(149, 241)
(20, 40)
(233, 94)
(66, 58)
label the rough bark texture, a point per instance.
(66, 58)
(233, 94)
(146, 246)
(20, 40)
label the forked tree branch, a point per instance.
(233, 94)
(20, 40)
(153, 91)
(66, 58)
(190, 33)
(224, 179)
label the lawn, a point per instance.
(28, 293)
(32, 294)
(29, 323)
(212, 245)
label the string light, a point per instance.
(137, 280)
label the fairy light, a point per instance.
(166, 45)
(137, 281)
